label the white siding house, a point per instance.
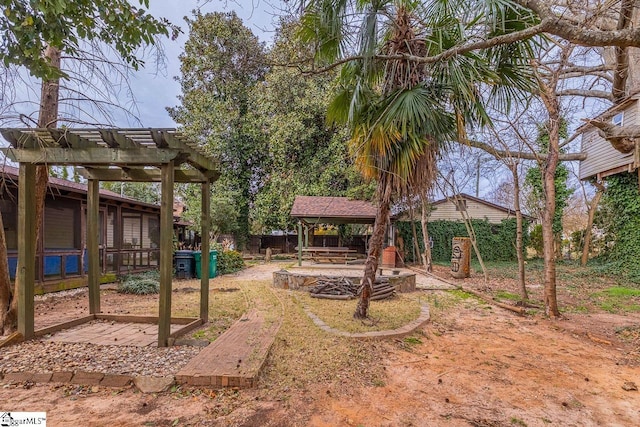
(447, 209)
(602, 159)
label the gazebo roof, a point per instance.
(110, 154)
(333, 210)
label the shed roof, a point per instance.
(333, 210)
(481, 201)
(59, 184)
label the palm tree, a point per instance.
(402, 111)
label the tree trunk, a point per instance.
(47, 117)
(7, 319)
(383, 196)
(548, 181)
(587, 232)
(416, 246)
(424, 221)
(519, 244)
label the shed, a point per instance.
(129, 233)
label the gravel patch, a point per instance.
(40, 356)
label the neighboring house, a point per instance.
(129, 233)
(602, 158)
(448, 209)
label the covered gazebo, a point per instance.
(313, 210)
(109, 154)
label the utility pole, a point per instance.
(478, 178)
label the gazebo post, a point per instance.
(306, 236)
(26, 248)
(299, 243)
(166, 253)
(205, 220)
(93, 249)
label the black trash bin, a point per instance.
(184, 264)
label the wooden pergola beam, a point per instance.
(70, 140)
(195, 158)
(116, 140)
(90, 156)
(146, 175)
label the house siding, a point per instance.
(447, 211)
(602, 158)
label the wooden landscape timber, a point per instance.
(519, 310)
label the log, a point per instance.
(383, 291)
(329, 296)
(382, 296)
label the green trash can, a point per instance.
(213, 263)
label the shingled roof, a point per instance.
(333, 210)
(57, 184)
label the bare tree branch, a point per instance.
(498, 154)
(573, 29)
(602, 94)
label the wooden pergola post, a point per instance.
(26, 248)
(299, 243)
(205, 220)
(93, 241)
(166, 253)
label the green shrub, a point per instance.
(536, 241)
(144, 283)
(229, 262)
(495, 241)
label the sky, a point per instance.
(154, 92)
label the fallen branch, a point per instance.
(519, 310)
(598, 340)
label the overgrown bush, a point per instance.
(229, 262)
(144, 283)
(535, 240)
(495, 241)
(619, 218)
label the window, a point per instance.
(60, 227)
(618, 119)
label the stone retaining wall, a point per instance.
(285, 279)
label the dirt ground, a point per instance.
(474, 364)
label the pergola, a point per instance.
(109, 154)
(312, 210)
